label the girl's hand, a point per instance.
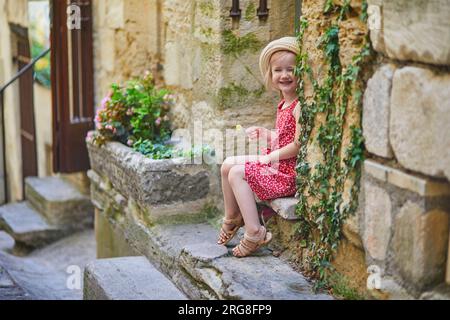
(265, 159)
(256, 132)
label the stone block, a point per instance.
(59, 201)
(27, 227)
(128, 278)
(115, 15)
(350, 229)
(420, 120)
(107, 49)
(420, 245)
(178, 69)
(423, 186)
(285, 207)
(155, 182)
(378, 221)
(376, 105)
(416, 30)
(447, 275)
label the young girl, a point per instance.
(242, 176)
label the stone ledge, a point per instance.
(284, 207)
(129, 278)
(422, 186)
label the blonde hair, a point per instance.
(287, 44)
(268, 75)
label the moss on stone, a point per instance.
(206, 8)
(250, 12)
(234, 45)
(207, 32)
(235, 94)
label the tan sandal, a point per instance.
(229, 234)
(250, 244)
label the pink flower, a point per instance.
(89, 136)
(99, 126)
(130, 112)
(130, 142)
(109, 127)
(158, 121)
(105, 100)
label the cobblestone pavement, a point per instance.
(52, 273)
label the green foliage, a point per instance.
(236, 46)
(136, 114)
(321, 209)
(340, 287)
(42, 67)
(153, 150)
(329, 6)
(250, 12)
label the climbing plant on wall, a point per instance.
(322, 207)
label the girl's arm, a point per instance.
(255, 132)
(290, 150)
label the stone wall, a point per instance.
(405, 199)
(401, 227)
(191, 48)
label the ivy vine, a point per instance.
(320, 186)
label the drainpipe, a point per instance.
(235, 11)
(263, 11)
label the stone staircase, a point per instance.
(54, 208)
(197, 268)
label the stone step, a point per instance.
(128, 278)
(28, 228)
(189, 256)
(59, 201)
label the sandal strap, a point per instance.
(251, 243)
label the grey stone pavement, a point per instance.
(52, 273)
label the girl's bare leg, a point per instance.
(245, 199)
(232, 209)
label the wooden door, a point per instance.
(72, 86)
(27, 122)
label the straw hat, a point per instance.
(282, 44)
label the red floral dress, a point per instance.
(270, 181)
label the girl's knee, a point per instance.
(236, 173)
(226, 166)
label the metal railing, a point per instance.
(2, 115)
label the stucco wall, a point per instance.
(14, 12)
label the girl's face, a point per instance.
(282, 65)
